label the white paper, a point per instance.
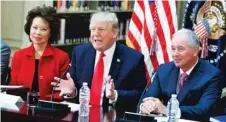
(214, 120)
(10, 102)
(74, 107)
(165, 119)
(9, 87)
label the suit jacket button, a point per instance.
(41, 77)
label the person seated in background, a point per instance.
(35, 66)
(196, 82)
(5, 56)
(114, 72)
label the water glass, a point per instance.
(32, 99)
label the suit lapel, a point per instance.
(88, 67)
(192, 79)
(117, 60)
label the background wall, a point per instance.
(12, 23)
(13, 15)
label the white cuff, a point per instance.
(178, 113)
(111, 109)
(141, 107)
(115, 100)
(71, 96)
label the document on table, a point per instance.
(165, 119)
(10, 87)
(74, 107)
(11, 102)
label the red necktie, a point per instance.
(95, 113)
(96, 88)
(183, 78)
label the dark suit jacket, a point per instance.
(5, 56)
(199, 94)
(128, 73)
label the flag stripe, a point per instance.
(154, 61)
(173, 7)
(150, 31)
(166, 8)
(134, 42)
(147, 36)
(152, 11)
(160, 34)
(146, 39)
(149, 25)
(141, 4)
(137, 21)
(165, 20)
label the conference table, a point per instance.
(107, 114)
(28, 114)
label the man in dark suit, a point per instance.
(200, 90)
(5, 57)
(123, 71)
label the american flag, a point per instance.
(151, 28)
(202, 31)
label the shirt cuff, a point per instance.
(71, 96)
(114, 116)
(141, 107)
(178, 113)
(115, 100)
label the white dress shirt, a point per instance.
(107, 65)
(181, 72)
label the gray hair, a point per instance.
(105, 17)
(193, 39)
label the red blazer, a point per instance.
(52, 63)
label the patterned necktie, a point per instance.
(96, 88)
(183, 78)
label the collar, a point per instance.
(108, 52)
(49, 51)
(189, 71)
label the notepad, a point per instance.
(74, 107)
(10, 87)
(11, 102)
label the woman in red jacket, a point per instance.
(36, 65)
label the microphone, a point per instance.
(145, 89)
(54, 87)
(50, 106)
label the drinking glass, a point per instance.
(32, 99)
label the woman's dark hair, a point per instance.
(49, 14)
